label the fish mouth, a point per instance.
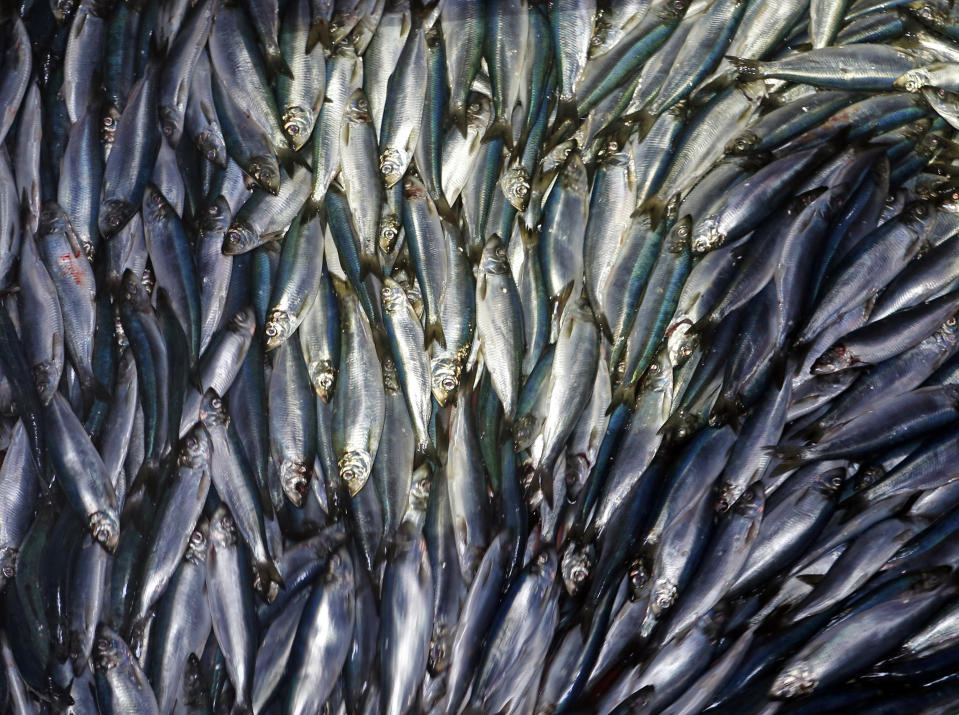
(294, 477)
(354, 468)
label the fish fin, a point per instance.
(499, 129)
(456, 117)
(724, 412)
(856, 503)
(267, 573)
(319, 33)
(91, 389)
(790, 457)
(287, 158)
(445, 211)
(276, 65)
(148, 477)
(622, 395)
(811, 579)
(603, 323)
(566, 111)
(370, 265)
(778, 369)
(420, 10)
(544, 478)
(434, 332)
(746, 70)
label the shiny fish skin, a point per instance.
(447, 356)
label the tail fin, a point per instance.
(434, 332)
(456, 117)
(499, 129)
(319, 32)
(287, 158)
(267, 574)
(276, 65)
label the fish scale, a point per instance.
(407, 356)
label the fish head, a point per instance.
(727, 497)
(114, 214)
(750, 503)
(706, 236)
(223, 531)
(478, 111)
(495, 259)
(577, 472)
(391, 378)
(833, 360)
(243, 323)
(394, 297)
(297, 123)
(212, 410)
(212, 147)
(105, 529)
(830, 482)
(108, 125)
(170, 125)
(793, 682)
(216, 217)
(663, 596)
(420, 489)
(278, 327)
(576, 566)
(389, 231)
(601, 41)
(322, 377)
(109, 650)
(913, 80)
(155, 206)
(46, 377)
(681, 343)
(391, 169)
(573, 176)
(295, 480)
(516, 187)
(354, 468)
(358, 108)
(196, 448)
(8, 563)
(637, 579)
(444, 378)
(266, 171)
(744, 143)
(63, 9)
(525, 429)
(240, 238)
(441, 644)
(196, 547)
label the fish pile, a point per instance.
(465, 356)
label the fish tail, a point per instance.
(370, 265)
(267, 573)
(622, 395)
(434, 332)
(566, 111)
(790, 457)
(456, 117)
(319, 33)
(543, 477)
(724, 412)
(746, 70)
(499, 129)
(288, 158)
(276, 65)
